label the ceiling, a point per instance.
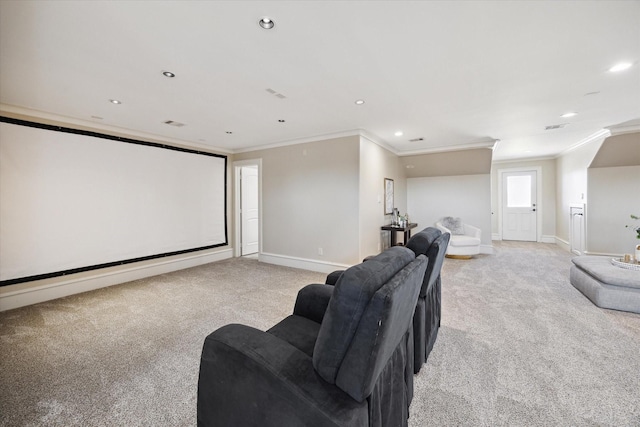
(457, 74)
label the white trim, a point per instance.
(286, 143)
(481, 144)
(563, 244)
(523, 159)
(627, 127)
(57, 288)
(603, 254)
(486, 249)
(237, 225)
(35, 114)
(602, 133)
(539, 211)
(548, 239)
(303, 263)
(496, 236)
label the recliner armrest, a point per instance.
(333, 277)
(312, 302)
(251, 378)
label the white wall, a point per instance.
(466, 196)
(571, 185)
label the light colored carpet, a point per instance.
(518, 346)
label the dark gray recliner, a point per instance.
(340, 360)
(426, 321)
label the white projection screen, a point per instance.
(74, 201)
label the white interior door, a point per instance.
(249, 210)
(519, 211)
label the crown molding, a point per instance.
(490, 144)
(58, 119)
(297, 141)
(631, 126)
(602, 133)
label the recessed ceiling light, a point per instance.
(168, 74)
(359, 102)
(398, 133)
(266, 23)
(571, 114)
(620, 67)
(281, 120)
(115, 101)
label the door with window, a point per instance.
(519, 210)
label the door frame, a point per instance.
(237, 166)
(538, 171)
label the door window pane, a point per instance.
(519, 191)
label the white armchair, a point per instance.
(465, 238)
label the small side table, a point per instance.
(395, 228)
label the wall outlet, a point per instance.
(320, 251)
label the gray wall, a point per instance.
(376, 164)
(614, 194)
(455, 183)
(310, 199)
(465, 196)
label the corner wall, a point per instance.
(571, 185)
(376, 164)
(310, 201)
(456, 183)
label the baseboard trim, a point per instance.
(302, 263)
(496, 236)
(563, 244)
(548, 239)
(603, 254)
(23, 294)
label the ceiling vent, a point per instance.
(276, 94)
(552, 127)
(173, 123)
(416, 140)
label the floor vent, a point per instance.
(173, 123)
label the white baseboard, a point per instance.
(486, 249)
(603, 254)
(23, 294)
(303, 263)
(496, 236)
(547, 239)
(563, 244)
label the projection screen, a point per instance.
(74, 201)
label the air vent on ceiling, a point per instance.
(173, 123)
(416, 140)
(551, 127)
(276, 94)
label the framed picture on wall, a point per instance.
(388, 196)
